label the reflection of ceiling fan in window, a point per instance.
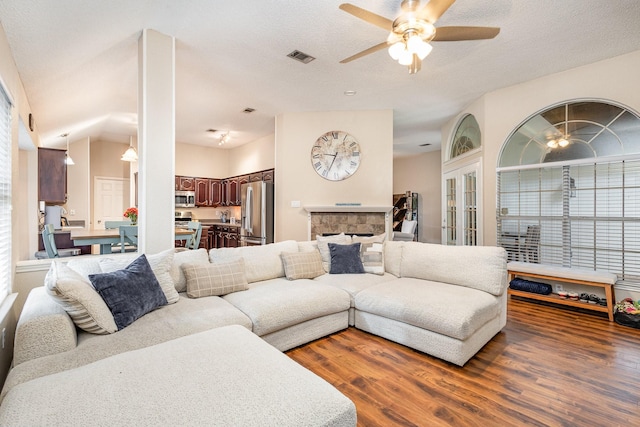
(412, 31)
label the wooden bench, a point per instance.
(601, 279)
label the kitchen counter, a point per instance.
(214, 222)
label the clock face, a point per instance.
(335, 155)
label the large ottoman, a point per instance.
(222, 377)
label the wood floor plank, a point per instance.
(548, 367)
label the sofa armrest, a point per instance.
(44, 328)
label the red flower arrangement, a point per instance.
(132, 214)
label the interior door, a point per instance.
(461, 205)
(110, 200)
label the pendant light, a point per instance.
(68, 160)
(130, 155)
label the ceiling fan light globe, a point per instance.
(563, 142)
(406, 58)
(552, 143)
(395, 50)
(413, 43)
(423, 50)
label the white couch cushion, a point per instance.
(371, 252)
(261, 262)
(353, 283)
(323, 247)
(199, 256)
(479, 267)
(275, 304)
(393, 257)
(75, 294)
(452, 310)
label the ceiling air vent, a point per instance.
(301, 56)
(248, 110)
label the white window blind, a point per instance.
(588, 216)
(5, 194)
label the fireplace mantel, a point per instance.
(348, 208)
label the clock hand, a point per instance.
(332, 161)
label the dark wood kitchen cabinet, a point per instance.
(215, 192)
(185, 183)
(268, 175)
(52, 175)
(225, 236)
(202, 192)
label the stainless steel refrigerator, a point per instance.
(257, 214)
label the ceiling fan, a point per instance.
(412, 31)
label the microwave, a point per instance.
(185, 199)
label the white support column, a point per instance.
(156, 141)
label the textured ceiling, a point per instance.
(78, 61)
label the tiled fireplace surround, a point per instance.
(348, 219)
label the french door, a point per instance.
(461, 206)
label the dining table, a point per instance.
(108, 237)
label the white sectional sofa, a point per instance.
(445, 301)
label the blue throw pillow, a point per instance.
(130, 293)
(345, 259)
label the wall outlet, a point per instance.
(72, 211)
(559, 288)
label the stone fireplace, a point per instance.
(371, 220)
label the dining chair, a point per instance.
(194, 240)
(115, 224)
(48, 238)
(128, 238)
(407, 232)
(531, 247)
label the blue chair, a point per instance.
(128, 238)
(115, 224)
(194, 240)
(48, 235)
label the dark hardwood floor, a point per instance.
(548, 367)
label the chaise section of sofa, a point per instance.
(221, 377)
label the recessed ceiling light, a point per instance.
(349, 92)
(248, 110)
(425, 145)
(212, 130)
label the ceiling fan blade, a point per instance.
(370, 17)
(433, 10)
(365, 52)
(452, 34)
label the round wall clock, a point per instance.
(335, 155)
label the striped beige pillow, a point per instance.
(302, 265)
(222, 278)
(77, 297)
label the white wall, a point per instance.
(252, 157)
(201, 161)
(296, 180)
(421, 174)
(79, 182)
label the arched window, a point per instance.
(569, 189)
(466, 138)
